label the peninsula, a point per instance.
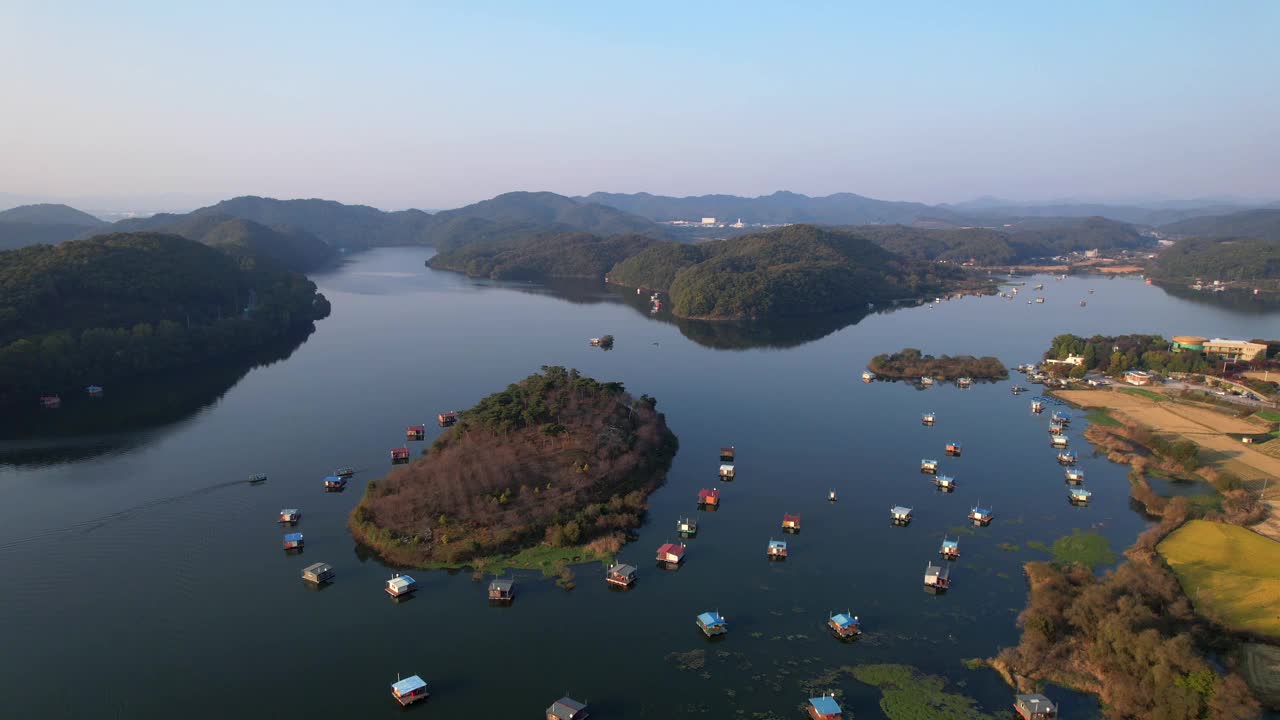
(557, 464)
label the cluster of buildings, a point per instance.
(707, 222)
(1218, 348)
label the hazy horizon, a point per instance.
(435, 107)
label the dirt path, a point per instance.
(1205, 428)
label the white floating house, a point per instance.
(1037, 407)
(401, 585)
(1067, 457)
(727, 472)
(901, 515)
(1058, 441)
(929, 418)
(687, 527)
(1079, 496)
(1075, 475)
(937, 578)
(290, 515)
(929, 466)
(945, 483)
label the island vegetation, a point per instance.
(89, 311)
(1129, 636)
(910, 363)
(540, 256)
(789, 271)
(1249, 260)
(557, 465)
(1116, 354)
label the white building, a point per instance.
(708, 221)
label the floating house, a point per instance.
(1037, 407)
(712, 624)
(777, 550)
(727, 472)
(901, 515)
(845, 625)
(401, 585)
(824, 708)
(1056, 429)
(688, 527)
(50, 402)
(1016, 389)
(1058, 441)
(595, 342)
(293, 541)
(415, 432)
(447, 418)
(399, 455)
(621, 575)
(937, 578)
(1067, 457)
(727, 454)
(409, 690)
(950, 548)
(709, 498)
(257, 478)
(1075, 475)
(1078, 496)
(1039, 301)
(290, 515)
(929, 466)
(566, 708)
(964, 382)
(671, 554)
(791, 523)
(345, 472)
(94, 390)
(868, 376)
(981, 515)
(926, 381)
(831, 496)
(929, 418)
(1061, 418)
(318, 573)
(335, 482)
(502, 590)
(953, 449)
(1035, 707)
(945, 483)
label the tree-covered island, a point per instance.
(557, 464)
(911, 364)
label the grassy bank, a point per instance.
(1231, 574)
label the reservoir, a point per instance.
(141, 576)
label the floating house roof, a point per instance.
(926, 461)
(786, 518)
(502, 584)
(777, 545)
(705, 494)
(844, 620)
(408, 685)
(417, 428)
(566, 708)
(1080, 492)
(825, 705)
(979, 510)
(401, 582)
(333, 479)
(671, 549)
(623, 569)
(710, 619)
(289, 511)
(293, 537)
(900, 510)
(950, 544)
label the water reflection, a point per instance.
(129, 413)
(778, 333)
(1241, 301)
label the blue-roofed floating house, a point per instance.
(950, 548)
(824, 708)
(1075, 475)
(712, 624)
(1079, 496)
(929, 466)
(94, 390)
(401, 585)
(845, 625)
(1067, 457)
(409, 690)
(292, 541)
(981, 515)
(335, 482)
(945, 483)
(776, 550)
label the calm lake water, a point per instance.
(143, 578)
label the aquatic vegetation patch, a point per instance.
(1082, 548)
(908, 694)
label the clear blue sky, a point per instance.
(439, 104)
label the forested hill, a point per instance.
(88, 311)
(519, 215)
(541, 256)
(794, 270)
(1225, 259)
(780, 207)
(34, 224)
(339, 225)
(290, 247)
(1262, 224)
(1023, 241)
(50, 214)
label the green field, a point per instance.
(1144, 393)
(1269, 415)
(1100, 416)
(1230, 573)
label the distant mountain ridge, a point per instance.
(514, 215)
(290, 247)
(1263, 224)
(850, 209)
(49, 214)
